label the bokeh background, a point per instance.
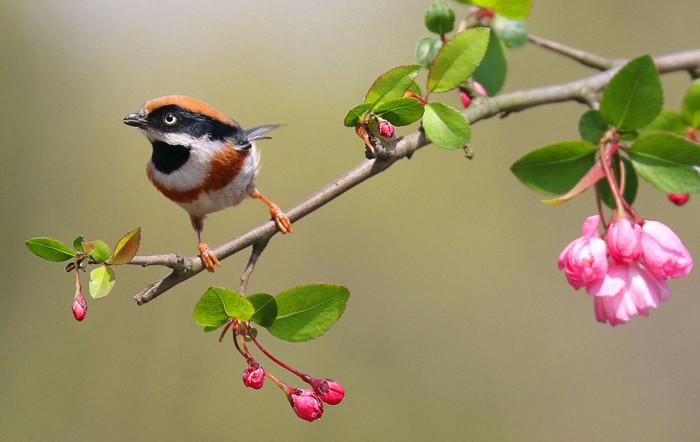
(459, 326)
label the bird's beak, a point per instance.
(136, 119)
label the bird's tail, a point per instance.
(258, 133)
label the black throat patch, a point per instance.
(167, 158)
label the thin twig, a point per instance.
(483, 109)
(258, 248)
(583, 57)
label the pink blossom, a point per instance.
(306, 404)
(254, 376)
(330, 391)
(630, 290)
(663, 252)
(585, 260)
(624, 242)
(386, 129)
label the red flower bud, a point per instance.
(386, 129)
(254, 376)
(79, 307)
(678, 198)
(466, 99)
(306, 404)
(328, 390)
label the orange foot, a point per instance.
(280, 219)
(208, 258)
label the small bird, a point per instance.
(202, 160)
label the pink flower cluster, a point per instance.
(626, 272)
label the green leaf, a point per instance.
(514, 33)
(218, 304)
(440, 18)
(556, 168)
(666, 121)
(691, 105)
(101, 251)
(126, 247)
(391, 85)
(354, 115)
(308, 311)
(667, 161)
(78, 243)
(49, 249)
(265, 309)
(426, 49)
(631, 184)
(491, 72)
(458, 59)
(101, 282)
(445, 126)
(400, 112)
(515, 9)
(592, 126)
(633, 97)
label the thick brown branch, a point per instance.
(583, 57)
(580, 90)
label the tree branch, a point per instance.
(583, 57)
(184, 268)
(258, 248)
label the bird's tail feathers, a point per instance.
(258, 133)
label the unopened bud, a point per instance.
(466, 99)
(254, 376)
(386, 129)
(79, 307)
(480, 89)
(330, 391)
(306, 404)
(678, 198)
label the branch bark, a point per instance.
(183, 268)
(585, 58)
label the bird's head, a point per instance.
(178, 120)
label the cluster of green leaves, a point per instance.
(509, 30)
(474, 53)
(298, 314)
(102, 278)
(652, 145)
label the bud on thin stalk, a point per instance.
(330, 391)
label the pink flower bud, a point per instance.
(466, 99)
(480, 89)
(330, 391)
(624, 240)
(678, 199)
(79, 307)
(585, 260)
(663, 252)
(386, 129)
(254, 376)
(306, 404)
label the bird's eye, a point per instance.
(170, 119)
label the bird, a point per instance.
(202, 160)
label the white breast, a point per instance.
(232, 194)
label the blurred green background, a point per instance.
(459, 326)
